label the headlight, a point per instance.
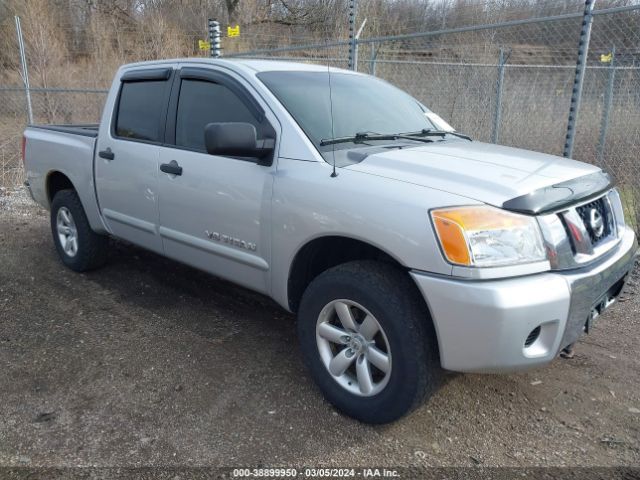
(483, 236)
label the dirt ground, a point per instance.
(146, 362)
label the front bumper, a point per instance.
(482, 326)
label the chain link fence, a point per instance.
(50, 105)
(510, 82)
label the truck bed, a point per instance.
(68, 150)
(84, 129)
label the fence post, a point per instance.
(372, 61)
(497, 117)
(581, 63)
(606, 109)
(353, 41)
(214, 39)
(25, 73)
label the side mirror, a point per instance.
(237, 140)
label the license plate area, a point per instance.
(604, 302)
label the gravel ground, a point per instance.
(147, 362)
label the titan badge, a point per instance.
(236, 242)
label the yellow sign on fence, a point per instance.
(204, 45)
(606, 58)
(233, 31)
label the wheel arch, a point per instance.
(55, 182)
(321, 253)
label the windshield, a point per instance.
(361, 104)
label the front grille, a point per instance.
(572, 241)
(598, 220)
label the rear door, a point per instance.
(128, 152)
(216, 215)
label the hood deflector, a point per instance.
(554, 197)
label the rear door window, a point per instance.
(140, 109)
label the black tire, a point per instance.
(389, 294)
(91, 247)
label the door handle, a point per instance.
(107, 154)
(171, 168)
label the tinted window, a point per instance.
(201, 103)
(139, 110)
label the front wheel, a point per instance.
(368, 341)
(79, 247)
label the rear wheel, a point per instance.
(79, 247)
(368, 341)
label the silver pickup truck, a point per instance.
(404, 247)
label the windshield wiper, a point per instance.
(362, 137)
(428, 132)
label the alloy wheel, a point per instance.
(353, 347)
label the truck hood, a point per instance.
(485, 172)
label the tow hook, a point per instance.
(568, 351)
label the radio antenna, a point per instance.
(333, 133)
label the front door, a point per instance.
(215, 214)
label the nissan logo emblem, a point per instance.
(596, 223)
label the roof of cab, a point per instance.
(256, 66)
